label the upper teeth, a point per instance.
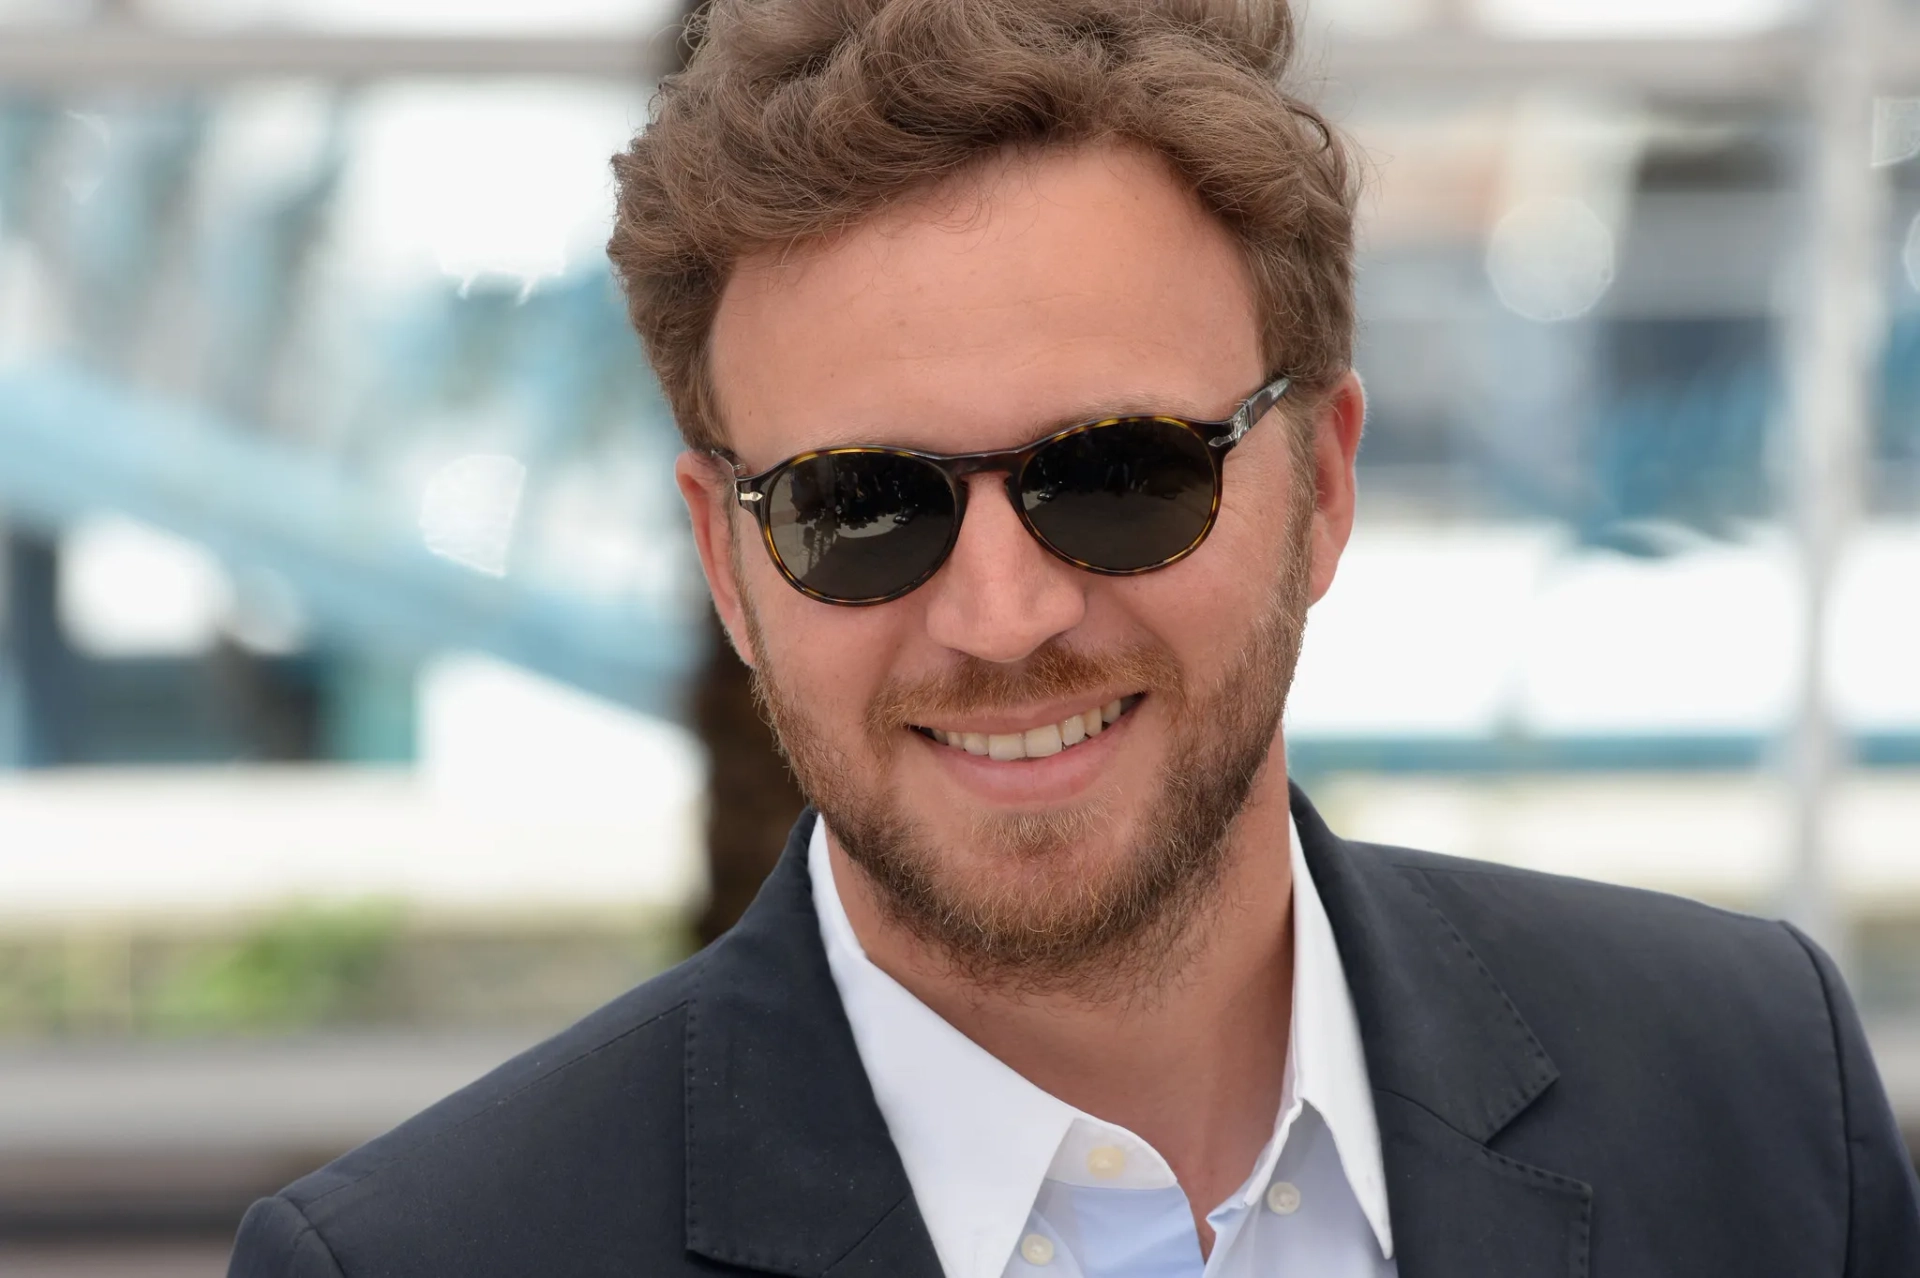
(1036, 743)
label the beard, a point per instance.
(1042, 902)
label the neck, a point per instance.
(1196, 1068)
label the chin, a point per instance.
(1075, 838)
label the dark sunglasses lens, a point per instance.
(859, 526)
(1121, 497)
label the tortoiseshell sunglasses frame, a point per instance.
(1219, 436)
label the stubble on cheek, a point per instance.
(823, 770)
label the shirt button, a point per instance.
(1107, 1161)
(1036, 1249)
(1283, 1198)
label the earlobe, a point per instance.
(710, 508)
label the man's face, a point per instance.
(1042, 291)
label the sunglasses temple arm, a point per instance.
(743, 492)
(1257, 406)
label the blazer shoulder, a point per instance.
(1672, 978)
(594, 1112)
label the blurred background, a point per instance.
(361, 717)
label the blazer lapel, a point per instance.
(1451, 1063)
(790, 1168)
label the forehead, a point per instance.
(1040, 289)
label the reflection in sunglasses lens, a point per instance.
(860, 525)
(1122, 497)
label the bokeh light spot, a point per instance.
(469, 508)
(1550, 259)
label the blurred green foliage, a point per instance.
(321, 967)
(307, 967)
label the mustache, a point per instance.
(1053, 672)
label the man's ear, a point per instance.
(707, 488)
(1335, 443)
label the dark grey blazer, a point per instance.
(1571, 1080)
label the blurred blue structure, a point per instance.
(191, 362)
(71, 445)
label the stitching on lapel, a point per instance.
(688, 1082)
(1514, 1169)
(1546, 1072)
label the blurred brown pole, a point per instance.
(751, 797)
(752, 800)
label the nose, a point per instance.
(1000, 595)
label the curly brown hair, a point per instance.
(796, 118)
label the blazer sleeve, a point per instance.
(277, 1241)
(1883, 1219)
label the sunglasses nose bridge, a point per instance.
(961, 472)
(999, 594)
(1004, 475)
(990, 476)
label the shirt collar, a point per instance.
(1324, 1056)
(977, 1139)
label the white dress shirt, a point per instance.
(1015, 1183)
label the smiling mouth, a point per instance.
(1037, 742)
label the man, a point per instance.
(1010, 339)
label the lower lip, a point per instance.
(1054, 779)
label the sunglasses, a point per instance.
(1118, 496)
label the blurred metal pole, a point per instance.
(1452, 55)
(1836, 332)
(120, 54)
(13, 695)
